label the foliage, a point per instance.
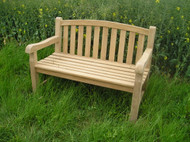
(34, 20)
(63, 110)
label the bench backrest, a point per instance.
(103, 39)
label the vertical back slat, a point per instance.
(80, 40)
(65, 39)
(72, 43)
(104, 43)
(121, 46)
(140, 47)
(96, 42)
(130, 47)
(88, 41)
(112, 44)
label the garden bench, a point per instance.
(96, 52)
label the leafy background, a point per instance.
(34, 20)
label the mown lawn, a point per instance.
(63, 110)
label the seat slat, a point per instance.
(88, 70)
(65, 39)
(131, 44)
(92, 68)
(119, 66)
(96, 65)
(87, 67)
(104, 43)
(83, 74)
(88, 41)
(97, 62)
(80, 40)
(73, 37)
(121, 46)
(112, 44)
(140, 47)
(96, 42)
(86, 80)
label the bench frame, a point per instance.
(142, 64)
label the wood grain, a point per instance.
(65, 39)
(73, 37)
(121, 46)
(96, 42)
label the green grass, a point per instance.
(63, 110)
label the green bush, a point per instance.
(34, 20)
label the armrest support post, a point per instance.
(33, 57)
(141, 64)
(58, 33)
(33, 73)
(151, 36)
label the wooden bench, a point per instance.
(96, 52)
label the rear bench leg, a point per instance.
(145, 83)
(34, 74)
(136, 98)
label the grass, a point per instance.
(63, 110)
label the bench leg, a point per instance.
(34, 74)
(136, 99)
(145, 83)
(34, 78)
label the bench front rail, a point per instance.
(98, 52)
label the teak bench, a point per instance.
(95, 52)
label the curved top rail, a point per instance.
(102, 23)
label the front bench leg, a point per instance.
(136, 98)
(34, 74)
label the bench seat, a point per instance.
(93, 71)
(103, 53)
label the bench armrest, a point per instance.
(141, 64)
(40, 45)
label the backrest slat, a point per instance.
(130, 47)
(65, 40)
(121, 46)
(83, 37)
(112, 44)
(140, 47)
(80, 40)
(108, 24)
(58, 29)
(104, 43)
(150, 44)
(96, 42)
(88, 41)
(72, 43)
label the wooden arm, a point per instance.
(141, 64)
(37, 46)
